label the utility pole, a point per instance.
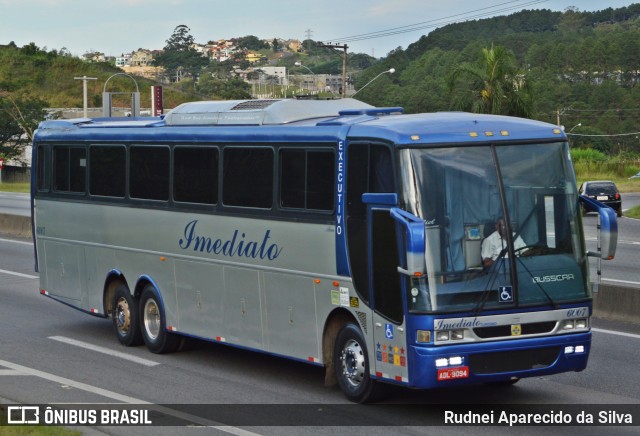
(85, 79)
(344, 47)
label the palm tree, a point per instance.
(494, 86)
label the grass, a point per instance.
(634, 212)
(623, 184)
(16, 187)
(29, 430)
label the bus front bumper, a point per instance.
(498, 361)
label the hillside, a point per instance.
(50, 77)
(584, 66)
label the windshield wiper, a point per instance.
(499, 264)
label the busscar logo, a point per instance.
(553, 278)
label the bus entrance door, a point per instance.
(390, 344)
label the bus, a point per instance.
(329, 232)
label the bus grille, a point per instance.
(507, 361)
(534, 328)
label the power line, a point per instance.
(607, 136)
(438, 22)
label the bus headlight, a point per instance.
(568, 324)
(457, 335)
(581, 323)
(442, 336)
(440, 363)
(455, 361)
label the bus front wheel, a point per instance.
(124, 312)
(154, 328)
(351, 363)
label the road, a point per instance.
(50, 353)
(15, 204)
(623, 270)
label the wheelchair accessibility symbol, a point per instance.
(506, 294)
(388, 331)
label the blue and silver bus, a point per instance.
(330, 232)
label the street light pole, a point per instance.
(571, 129)
(85, 79)
(299, 64)
(390, 71)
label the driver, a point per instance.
(493, 245)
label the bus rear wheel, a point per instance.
(124, 312)
(351, 363)
(154, 327)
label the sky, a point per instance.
(374, 27)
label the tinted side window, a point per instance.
(149, 173)
(69, 169)
(107, 171)
(307, 179)
(248, 177)
(42, 183)
(195, 175)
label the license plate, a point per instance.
(453, 373)
(602, 197)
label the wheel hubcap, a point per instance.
(123, 316)
(151, 319)
(353, 361)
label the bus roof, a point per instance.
(258, 118)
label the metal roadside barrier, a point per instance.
(15, 225)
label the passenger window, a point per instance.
(149, 173)
(69, 166)
(307, 179)
(42, 182)
(248, 177)
(195, 175)
(107, 173)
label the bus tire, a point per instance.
(153, 324)
(351, 364)
(124, 313)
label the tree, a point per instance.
(234, 89)
(493, 86)
(19, 118)
(180, 40)
(179, 58)
(251, 42)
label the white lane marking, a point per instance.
(17, 274)
(613, 332)
(103, 350)
(620, 281)
(16, 242)
(125, 399)
(4, 372)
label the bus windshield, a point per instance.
(502, 227)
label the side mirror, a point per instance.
(607, 229)
(415, 243)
